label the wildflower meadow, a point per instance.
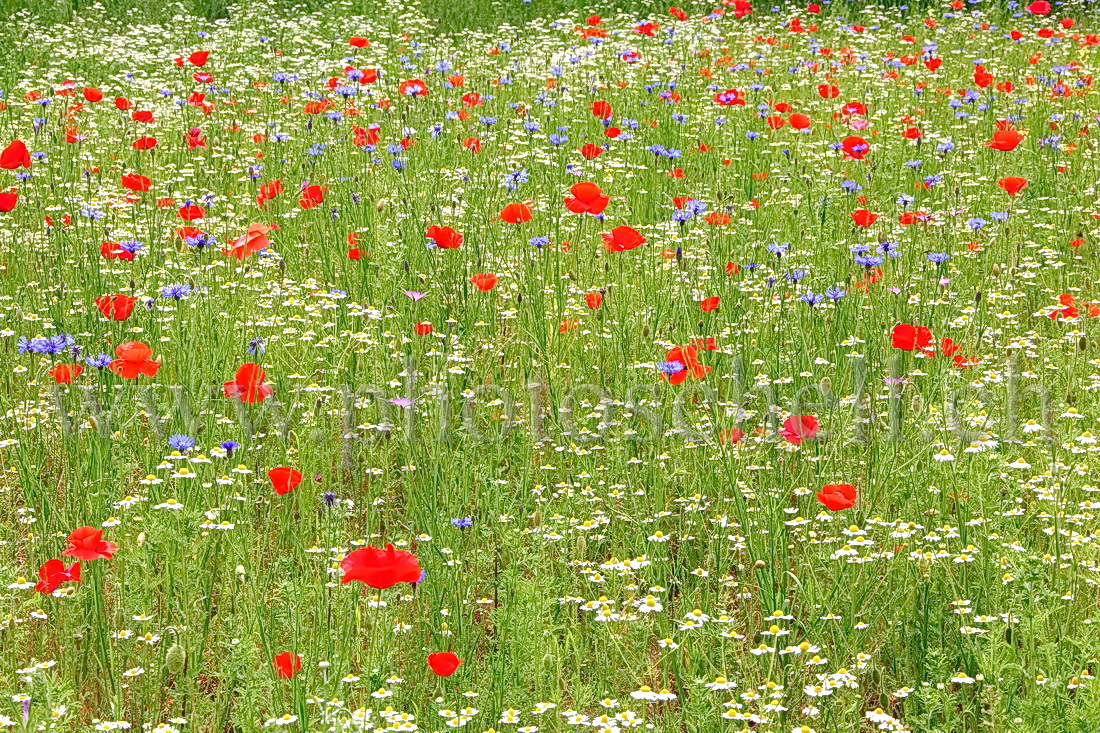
(530, 366)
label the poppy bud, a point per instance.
(140, 539)
(176, 659)
(826, 385)
(759, 565)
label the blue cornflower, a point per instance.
(539, 241)
(99, 361)
(256, 346)
(938, 258)
(835, 293)
(513, 180)
(670, 367)
(463, 522)
(182, 443)
(868, 260)
(175, 290)
(696, 207)
(229, 446)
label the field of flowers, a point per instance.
(681, 370)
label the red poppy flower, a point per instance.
(198, 58)
(706, 344)
(191, 212)
(709, 304)
(741, 8)
(316, 108)
(423, 329)
(516, 213)
(601, 109)
(621, 239)
(123, 104)
(484, 281)
(358, 42)
(412, 88)
(837, 496)
(136, 182)
(15, 156)
(143, 116)
(284, 479)
(472, 144)
(444, 664)
(1012, 185)
(248, 384)
(1039, 7)
(586, 198)
(863, 217)
(268, 191)
(8, 199)
(799, 121)
(854, 148)
(312, 196)
(731, 436)
(798, 428)
(1005, 140)
(912, 338)
(65, 373)
(379, 568)
(593, 300)
(115, 307)
(287, 664)
(134, 359)
(91, 94)
(591, 151)
(112, 251)
(828, 91)
(144, 143)
(471, 99)
(729, 98)
(87, 543)
(53, 573)
(853, 108)
(688, 357)
(254, 240)
(444, 237)
(717, 218)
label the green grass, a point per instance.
(591, 482)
